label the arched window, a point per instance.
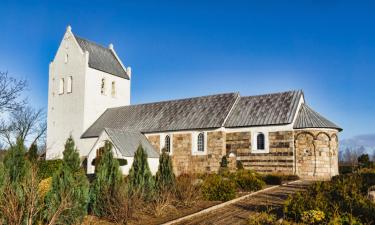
(167, 144)
(69, 87)
(200, 142)
(66, 58)
(61, 86)
(113, 89)
(260, 141)
(102, 87)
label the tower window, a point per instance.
(69, 87)
(260, 141)
(61, 86)
(200, 142)
(66, 58)
(113, 89)
(102, 89)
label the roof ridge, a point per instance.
(274, 93)
(175, 100)
(91, 42)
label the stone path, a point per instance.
(239, 212)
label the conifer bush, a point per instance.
(32, 154)
(140, 179)
(108, 180)
(16, 167)
(165, 178)
(67, 200)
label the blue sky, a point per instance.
(189, 48)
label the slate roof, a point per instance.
(308, 118)
(101, 58)
(269, 109)
(127, 142)
(214, 111)
(184, 114)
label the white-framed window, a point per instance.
(113, 90)
(69, 87)
(102, 86)
(166, 143)
(199, 143)
(260, 143)
(61, 86)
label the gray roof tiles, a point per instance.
(308, 118)
(127, 142)
(184, 114)
(260, 110)
(101, 58)
(214, 111)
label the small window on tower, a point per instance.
(66, 58)
(61, 86)
(102, 90)
(113, 89)
(69, 88)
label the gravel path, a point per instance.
(239, 212)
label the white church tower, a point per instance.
(84, 80)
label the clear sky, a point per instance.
(189, 48)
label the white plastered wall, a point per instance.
(152, 162)
(72, 113)
(65, 111)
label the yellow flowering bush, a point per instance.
(313, 216)
(44, 186)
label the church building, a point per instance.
(89, 99)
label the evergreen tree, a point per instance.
(32, 154)
(66, 202)
(16, 167)
(108, 180)
(165, 178)
(71, 156)
(140, 177)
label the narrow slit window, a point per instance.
(61, 86)
(113, 89)
(102, 87)
(69, 87)
(260, 141)
(200, 142)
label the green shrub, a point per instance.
(218, 188)
(345, 194)
(248, 181)
(165, 178)
(16, 167)
(273, 179)
(108, 180)
(47, 168)
(239, 165)
(67, 200)
(224, 162)
(262, 218)
(313, 217)
(140, 179)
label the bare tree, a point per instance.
(351, 155)
(10, 91)
(26, 123)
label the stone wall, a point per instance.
(280, 156)
(182, 158)
(154, 141)
(316, 153)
